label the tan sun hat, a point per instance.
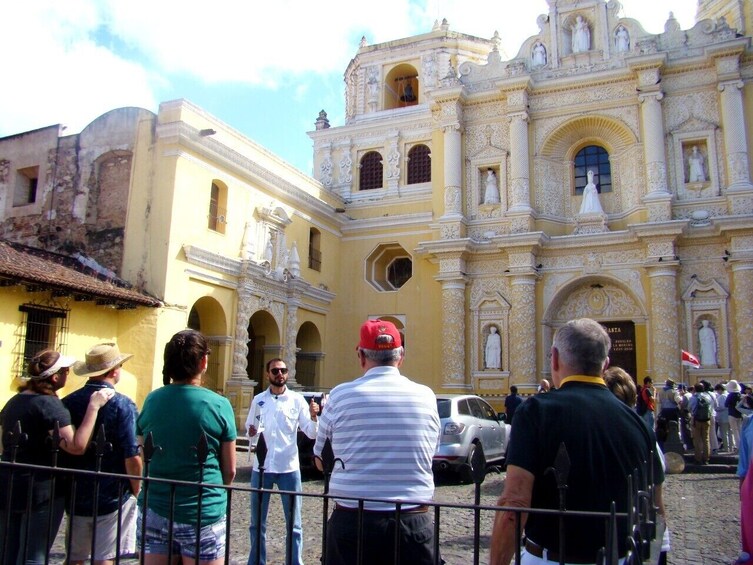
(100, 359)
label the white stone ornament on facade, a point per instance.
(622, 39)
(538, 55)
(493, 349)
(581, 35)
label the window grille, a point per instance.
(596, 159)
(42, 327)
(371, 171)
(419, 164)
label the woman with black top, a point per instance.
(37, 409)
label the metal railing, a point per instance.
(643, 537)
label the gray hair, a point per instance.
(383, 356)
(583, 345)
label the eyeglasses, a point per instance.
(277, 370)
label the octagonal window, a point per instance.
(389, 267)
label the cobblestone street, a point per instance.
(703, 516)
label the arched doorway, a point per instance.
(308, 344)
(208, 317)
(619, 309)
(263, 344)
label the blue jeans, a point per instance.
(284, 481)
(12, 541)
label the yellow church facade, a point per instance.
(602, 171)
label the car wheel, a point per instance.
(466, 471)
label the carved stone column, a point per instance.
(453, 336)
(291, 332)
(727, 58)
(523, 321)
(453, 279)
(448, 110)
(658, 198)
(519, 163)
(735, 143)
(453, 167)
(664, 339)
(520, 212)
(247, 303)
(742, 292)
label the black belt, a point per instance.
(537, 551)
(415, 510)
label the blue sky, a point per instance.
(264, 68)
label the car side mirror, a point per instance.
(501, 417)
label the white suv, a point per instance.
(467, 422)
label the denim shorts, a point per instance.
(155, 540)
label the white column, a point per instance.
(453, 170)
(735, 142)
(519, 163)
(653, 143)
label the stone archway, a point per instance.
(613, 304)
(208, 317)
(308, 355)
(263, 344)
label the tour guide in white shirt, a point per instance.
(385, 429)
(278, 413)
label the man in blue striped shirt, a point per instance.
(385, 429)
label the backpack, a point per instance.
(702, 411)
(640, 405)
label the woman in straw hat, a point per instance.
(38, 409)
(176, 415)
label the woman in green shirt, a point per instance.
(176, 415)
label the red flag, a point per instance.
(690, 360)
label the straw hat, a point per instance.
(100, 359)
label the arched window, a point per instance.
(593, 158)
(419, 164)
(217, 217)
(371, 171)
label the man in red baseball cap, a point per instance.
(381, 408)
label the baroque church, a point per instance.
(477, 201)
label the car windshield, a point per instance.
(444, 407)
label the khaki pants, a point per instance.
(701, 444)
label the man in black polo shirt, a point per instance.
(605, 440)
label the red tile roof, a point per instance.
(20, 264)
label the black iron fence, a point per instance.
(643, 535)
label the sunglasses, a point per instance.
(277, 370)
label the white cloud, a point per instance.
(70, 61)
(58, 75)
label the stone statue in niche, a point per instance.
(622, 39)
(590, 203)
(538, 55)
(581, 38)
(696, 166)
(491, 192)
(707, 339)
(493, 350)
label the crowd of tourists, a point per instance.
(590, 424)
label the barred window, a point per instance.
(371, 171)
(596, 159)
(42, 327)
(419, 164)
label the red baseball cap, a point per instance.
(371, 330)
